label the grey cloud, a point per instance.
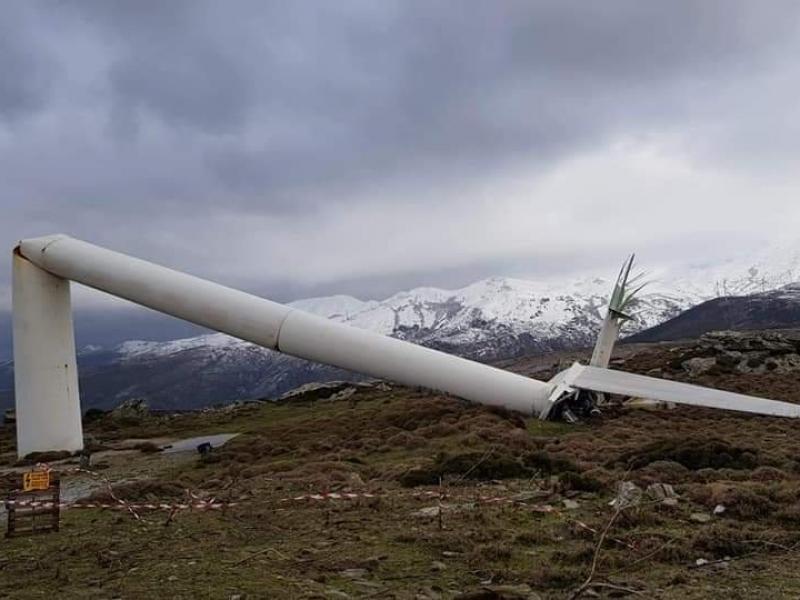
(150, 126)
(200, 88)
(24, 69)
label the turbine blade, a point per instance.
(629, 384)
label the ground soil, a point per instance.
(451, 501)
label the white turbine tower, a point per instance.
(46, 379)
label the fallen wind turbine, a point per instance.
(46, 377)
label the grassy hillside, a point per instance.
(453, 501)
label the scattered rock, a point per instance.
(722, 564)
(344, 394)
(697, 366)
(660, 491)
(570, 504)
(700, 517)
(671, 502)
(241, 406)
(134, 409)
(354, 573)
(628, 494)
(354, 479)
(438, 565)
(719, 509)
(329, 390)
(528, 496)
(427, 512)
(433, 511)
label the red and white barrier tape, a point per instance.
(210, 505)
(331, 496)
(427, 495)
(119, 503)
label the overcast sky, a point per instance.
(305, 148)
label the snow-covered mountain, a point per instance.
(495, 318)
(491, 319)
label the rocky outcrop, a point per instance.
(743, 352)
(132, 410)
(330, 390)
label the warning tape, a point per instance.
(213, 504)
(210, 505)
(331, 496)
(119, 503)
(417, 495)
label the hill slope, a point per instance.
(778, 309)
(342, 498)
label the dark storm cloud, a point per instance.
(186, 130)
(277, 96)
